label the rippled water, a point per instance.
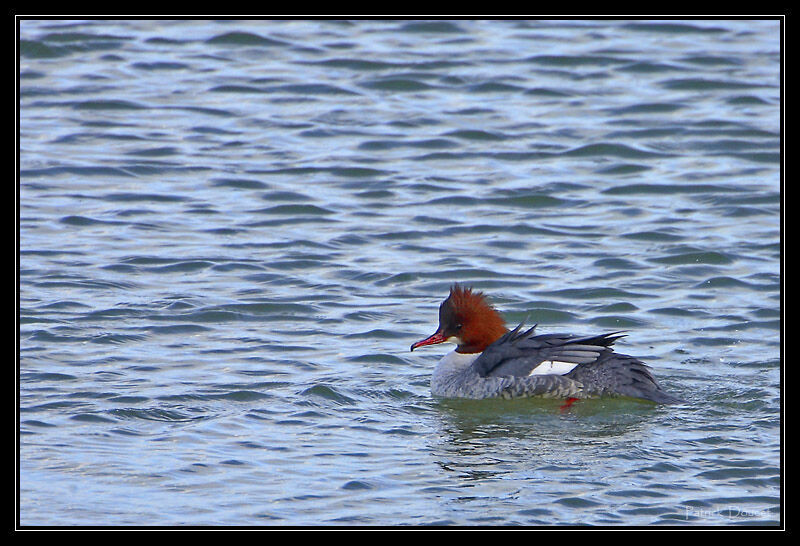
(230, 233)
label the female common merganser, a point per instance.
(491, 361)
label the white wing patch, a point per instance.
(553, 367)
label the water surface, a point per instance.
(230, 233)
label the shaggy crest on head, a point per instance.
(464, 299)
(471, 319)
(467, 319)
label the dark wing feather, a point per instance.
(622, 375)
(519, 353)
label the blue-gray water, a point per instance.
(231, 232)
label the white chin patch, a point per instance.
(453, 339)
(553, 367)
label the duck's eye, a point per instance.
(458, 326)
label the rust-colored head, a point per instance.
(467, 319)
